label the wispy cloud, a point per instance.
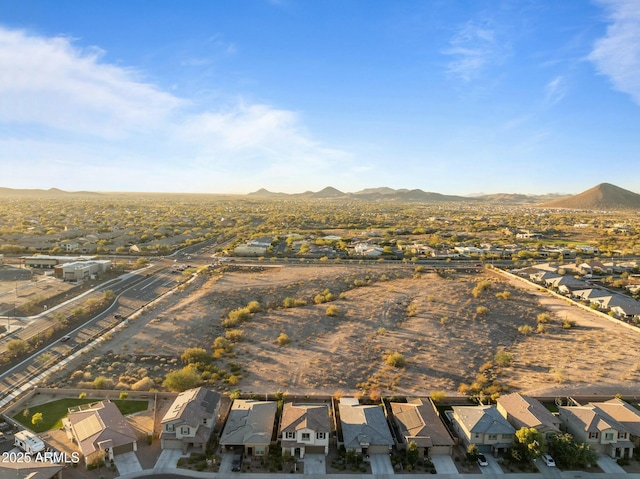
(556, 89)
(65, 109)
(617, 54)
(48, 82)
(473, 49)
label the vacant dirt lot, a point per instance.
(445, 334)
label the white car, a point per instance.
(482, 460)
(548, 460)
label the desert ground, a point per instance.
(444, 333)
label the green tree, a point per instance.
(412, 453)
(503, 359)
(529, 442)
(16, 347)
(570, 454)
(182, 379)
(195, 355)
(472, 453)
(36, 419)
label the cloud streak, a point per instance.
(66, 110)
(473, 49)
(617, 54)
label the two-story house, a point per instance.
(607, 427)
(523, 411)
(305, 428)
(190, 420)
(250, 426)
(483, 426)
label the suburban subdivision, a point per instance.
(318, 336)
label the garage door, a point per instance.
(314, 450)
(378, 450)
(171, 444)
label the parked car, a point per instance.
(548, 460)
(117, 316)
(236, 462)
(64, 339)
(482, 460)
(4, 426)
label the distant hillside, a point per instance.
(263, 193)
(605, 196)
(518, 199)
(30, 193)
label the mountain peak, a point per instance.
(603, 196)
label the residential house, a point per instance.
(483, 426)
(17, 469)
(543, 276)
(592, 295)
(250, 426)
(100, 430)
(419, 421)
(190, 420)
(597, 426)
(621, 305)
(364, 249)
(305, 428)
(625, 414)
(523, 411)
(565, 283)
(364, 427)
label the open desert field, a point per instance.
(444, 333)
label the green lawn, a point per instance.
(54, 411)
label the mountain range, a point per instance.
(604, 196)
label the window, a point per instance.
(492, 437)
(321, 435)
(289, 435)
(169, 427)
(594, 435)
(259, 451)
(622, 435)
(184, 430)
(608, 436)
(306, 436)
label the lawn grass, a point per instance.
(54, 411)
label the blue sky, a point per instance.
(229, 96)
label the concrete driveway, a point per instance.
(444, 464)
(225, 462)
(168, 458)
(545, 470)
(609, 465)
(315, 464)
(493, 468)
(127, 462)
(380, 464)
